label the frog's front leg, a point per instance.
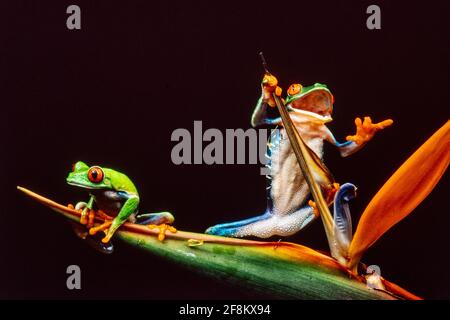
(365, 131)
(130, 206)
(260, 113)
(86, 209)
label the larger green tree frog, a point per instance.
(115, 195)
(288, 211)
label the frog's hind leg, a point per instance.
(266, 225)
(229, 229)
(160, 220)
(155, 218)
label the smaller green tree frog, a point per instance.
(114, 195)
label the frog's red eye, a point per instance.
(73, 167)
(95, 174)
(294, 89)
(332, 99)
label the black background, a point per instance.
(113, 92)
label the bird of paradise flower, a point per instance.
(288, 270)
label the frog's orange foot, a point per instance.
(270, 81)
(278, 91)
(87, 217)
(83, 219)
(91, 219)
(84, 211)
(106, 239)
(366, 130)
(103, 227)
(356, 139)
(162, 230)
(313, 205)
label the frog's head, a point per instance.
(87, 177)
(316, 98)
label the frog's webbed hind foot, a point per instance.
(103, 227)
(155, 218)
(87, 215)
(313, 205)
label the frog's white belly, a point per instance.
(288, 188)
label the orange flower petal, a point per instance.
(403, 192)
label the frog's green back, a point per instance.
(120, 181)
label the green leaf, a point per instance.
(278, 269)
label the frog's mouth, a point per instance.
(318, 102)
(83, 186)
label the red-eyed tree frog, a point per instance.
(115, 195)
(287, 211)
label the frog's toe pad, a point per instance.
(313, 205)
(102, 227)
(162, 230)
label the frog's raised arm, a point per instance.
(260, 114)
(364, 133)
(345, 148)
(260, 117)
